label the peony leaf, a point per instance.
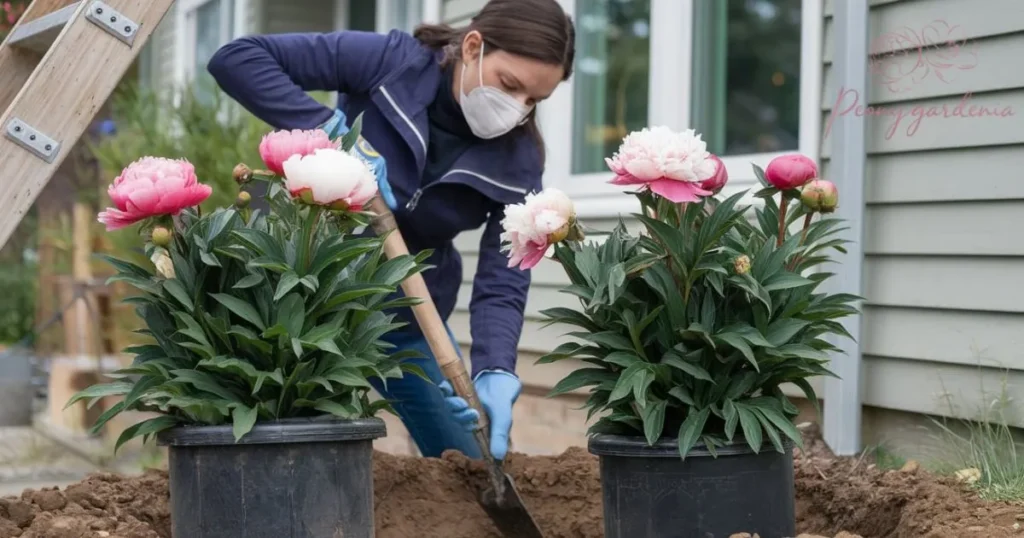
(583, 377)
(288, 281)
(241, 309)
(751, 427)
(654, 420)
(146, 428)
(691, 430)
(243, 418)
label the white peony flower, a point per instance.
(331, 178)
(671, 164)
(534, 226)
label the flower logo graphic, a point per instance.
(903, 58)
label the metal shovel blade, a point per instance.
(508, 512)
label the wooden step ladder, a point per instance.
(58, 66)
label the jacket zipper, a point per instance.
(415, 199)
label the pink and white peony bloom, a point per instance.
(532, 227)
(152, 187)
(790, 171)
(671, 164)
(279, 146)
(717, 181)
(330, 178)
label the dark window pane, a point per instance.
(610, 78)
(746, 80)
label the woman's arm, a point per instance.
(496, 307)
(269, 75)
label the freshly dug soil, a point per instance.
(434, 498)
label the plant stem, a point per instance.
(803, 237)
(783, 205)
(309, 227)
(807, 223)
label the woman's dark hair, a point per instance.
(536, 29)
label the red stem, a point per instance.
(783, 204)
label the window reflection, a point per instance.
(611, 77)
(746, 77)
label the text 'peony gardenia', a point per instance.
(543, 219)
(152, 187)
(672, 165)
(790, 171)
(330, 178)
(279, 146)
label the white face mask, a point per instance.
(489, 111)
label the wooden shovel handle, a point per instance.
(429, 320)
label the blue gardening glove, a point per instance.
(497, 390)
(366, 151)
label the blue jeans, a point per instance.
(421, 405)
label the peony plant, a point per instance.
(691, 329)
(256, 317)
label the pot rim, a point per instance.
(635, 446)
(286, 431)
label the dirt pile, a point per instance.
(103, 505)
(427, 498)
(418, 498)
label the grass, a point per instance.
(988, 443)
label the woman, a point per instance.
(452, 113)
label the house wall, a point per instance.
(943, 314)
(943, 319)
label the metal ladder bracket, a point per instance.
(112, 22)
(33, 140)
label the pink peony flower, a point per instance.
(820, 195)
(532, 227)
(717, 181)
(331, 178)
(152, 187)
(670, 164)
(278, 146)
(790, 171)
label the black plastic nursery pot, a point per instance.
(295, 478)
(651, 491)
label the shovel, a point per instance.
(501, 501)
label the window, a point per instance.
(209, 25)
(746, 74)
(398, 14)
(746, 95)
(383, 15)
(612, 75)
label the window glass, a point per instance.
(746, 75)
(611, 78)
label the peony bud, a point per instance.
(820, 195)
(161, 236)
(242, 174)
(163, 263)
(243, 199)
(790, 171)
(741, 264)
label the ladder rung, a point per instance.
(39, 34)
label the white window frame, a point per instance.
(430, 11)
(669, 97)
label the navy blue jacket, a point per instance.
(392, 79)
